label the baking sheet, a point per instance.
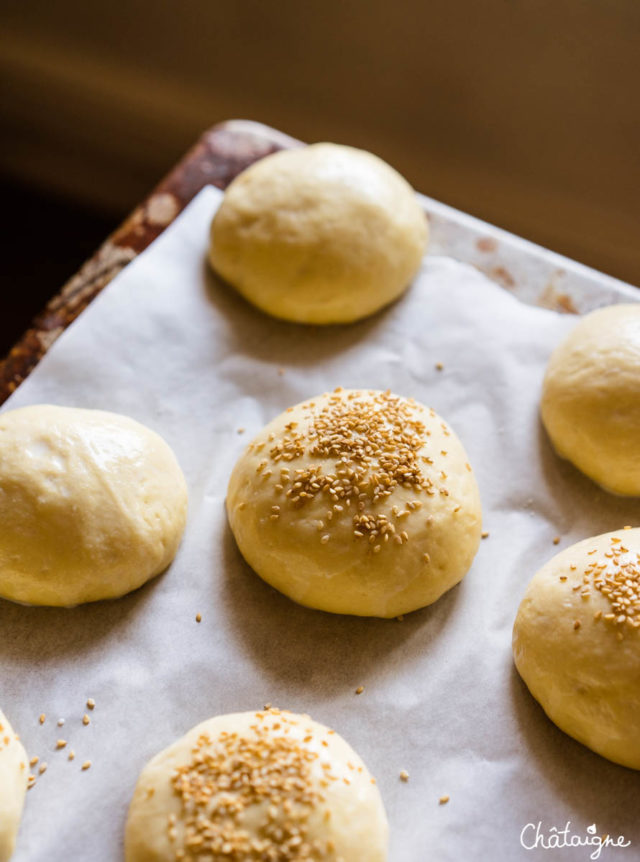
(171, 346)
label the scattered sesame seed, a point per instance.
(42, 768)
(60, 722)
(198, 618)
(61, 743)
(360, 689)
(484, 534)
(72, 754)
(404, 775)
(443, 799)
(42, 718)
(86, 765)
(439, 366)
(91, 704)
(85, 719)
(577, 624)
(240, 431)
(34, 760)
(556, 540)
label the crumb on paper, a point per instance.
(444, 799)
(484, 534)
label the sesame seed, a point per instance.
(240, 431)
(198, 618)
(61, 743)
(443, 799)
(360, 689)
(404, 775)
(85, 719)
(60, 722)
(577, 624)
(42, 718)
(86, 765)
(556, 540)
(91, 704)
(484, 534)
(71, 755)
(42, 768)
(34, 760)
(439, 366)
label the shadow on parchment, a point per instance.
(294, 344)
(41, 634)
(303, 647)
(598, 790)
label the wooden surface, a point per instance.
(219, 156)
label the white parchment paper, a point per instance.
(171, 346)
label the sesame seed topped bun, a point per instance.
(357, 502)
(591, 398)
(576, 643)
(14, 773)
(319, 234)
(268, 785)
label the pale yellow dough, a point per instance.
(357, 502)
(14, 771)
(266, 785)
(591, 398)
(92, 505)
(578, 649)
(320, 234)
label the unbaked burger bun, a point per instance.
(254, 786)
(92, 505)
(591, 398)
(319, 234)
(357, 502)
(14, 773)
(576, 643)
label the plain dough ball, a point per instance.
(320, 234)
(267, 785)
(576, 643)
(92, 505)
(591, 398)
(14, 773)
(357, 502)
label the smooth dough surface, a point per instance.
(14, 772)
(591, 398)
(357, 502)
(92, 505)
(255, 786)
(321, 234)
(576, 643)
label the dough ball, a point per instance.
(591, 398)
(358, 503)
(14, 771)
(320, 234)
(576, 643)
(92, 505)
(257, 785)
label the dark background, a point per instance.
(523, 112)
